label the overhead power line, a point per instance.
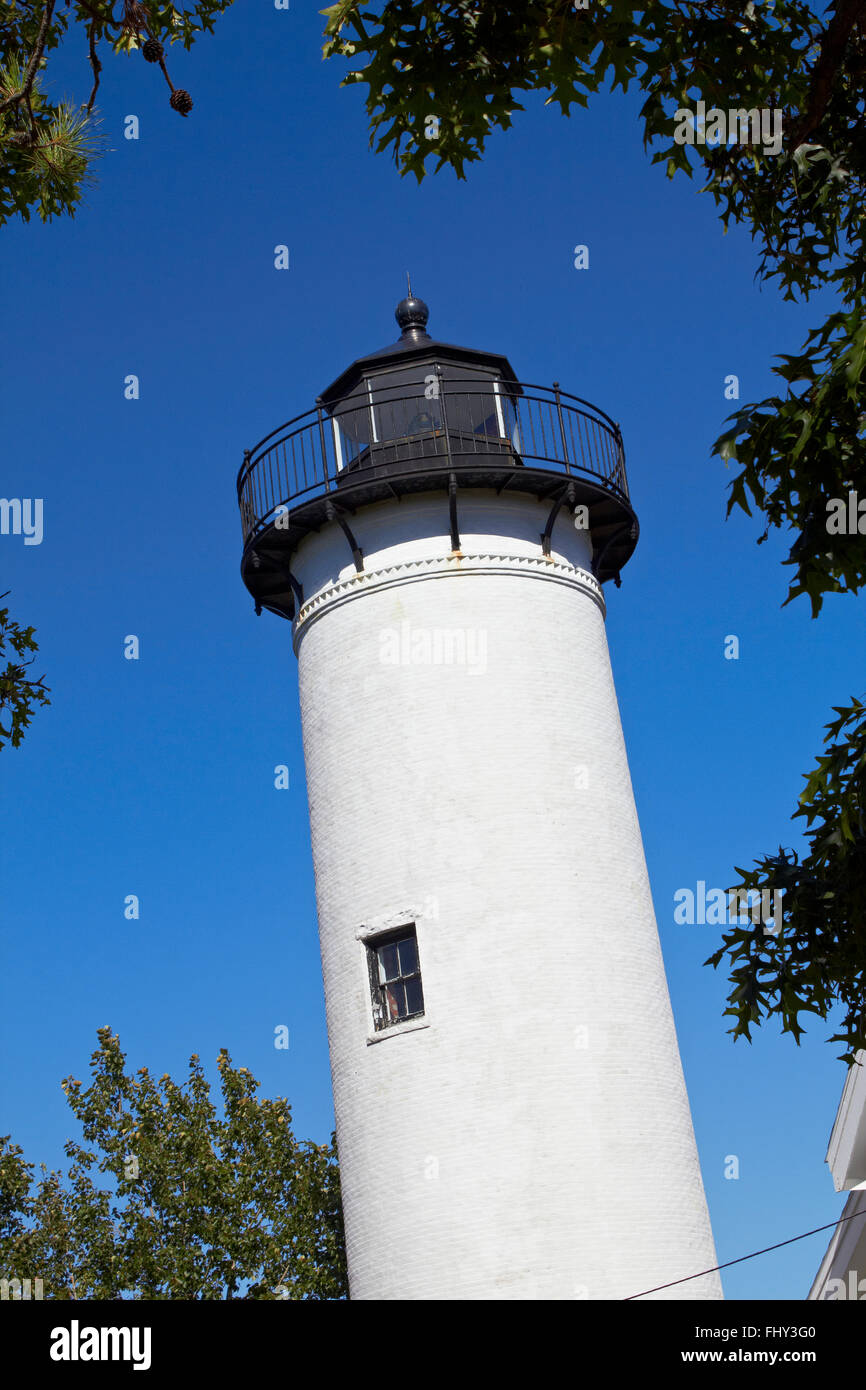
(739, 1261)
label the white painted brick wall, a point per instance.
(489, 1154)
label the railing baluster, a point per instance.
(561, 427)
(254, 497)
(575, 446)
(539, 412)
(244, 497)
(548, 413)
(590, 444)
(325, 469)
(441, 383)
(584, 443)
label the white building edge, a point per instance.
(842, 1274)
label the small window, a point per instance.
(395, 978)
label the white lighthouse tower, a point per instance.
(512, 1119)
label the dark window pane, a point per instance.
(470, 402)
(400, 404)
(414, 996)
(489, 426)
(408, 956)
(353, 417)
(388, 962)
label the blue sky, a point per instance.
(155, 777)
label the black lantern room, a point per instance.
(426, 416)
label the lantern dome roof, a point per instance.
(415, 345)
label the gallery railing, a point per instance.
(446, 423)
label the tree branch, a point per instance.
(94, 63)
(847, 13)
(35, 59)
(20, 139)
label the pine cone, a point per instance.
(181, 101)
(152, 50)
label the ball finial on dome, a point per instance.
(412, 314)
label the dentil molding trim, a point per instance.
(439, 567)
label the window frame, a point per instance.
(373, 944)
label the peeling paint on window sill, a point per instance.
(410, 1026)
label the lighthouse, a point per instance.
(512, 1119)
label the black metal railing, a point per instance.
(436, 419)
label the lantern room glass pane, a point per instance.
(405, 403)
(354, 421)
(471, 403)
(411, 405)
